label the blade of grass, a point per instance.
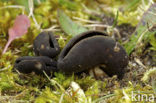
(142, 32)
(68, 26)
(102, 98)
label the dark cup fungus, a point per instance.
(91, 49)
(83, 52)
(38, 64)
(45, 44)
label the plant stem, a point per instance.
(7, 45)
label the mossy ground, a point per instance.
(21, 88)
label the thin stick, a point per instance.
(53, 81)
(140, 38)
(99, 25)
(14, 6)
(52, 28)
(31, 7)
(31, 14)
(6, 68)
(140, 63)
(61, 99)
(85, 20)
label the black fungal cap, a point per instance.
(91, 49)
(39, 64)
(45, 44)
(84, 51)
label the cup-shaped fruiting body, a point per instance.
(45, 44)
(91, 49)
(84, 51)
(38, 64)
